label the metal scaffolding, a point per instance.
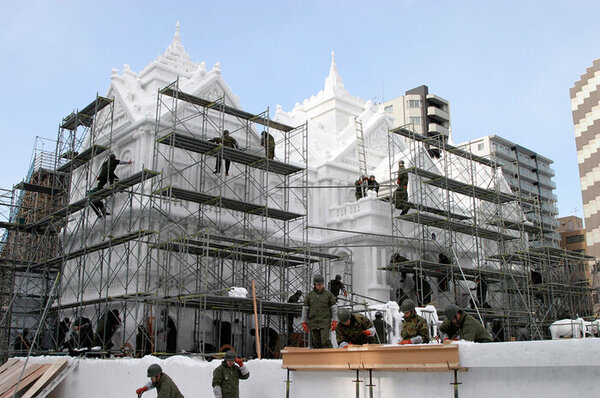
(162, 248)
(466, 241)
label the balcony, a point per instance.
(434, 99)
(438, 114)
(435, 128)
(547, 170)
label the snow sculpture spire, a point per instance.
(177, 38)
(334, 81)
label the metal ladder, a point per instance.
(360, 148)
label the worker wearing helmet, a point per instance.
(319, 314)
(414, 328)
(226, 377)
(336, 286)
(459, 323)
(165, 387)
(381, 327)
(353, 329)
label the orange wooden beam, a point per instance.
(424, 358)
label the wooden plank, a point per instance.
(11, 381)
(27, 381)
(425, 357)
(55, 369)
(8, 364)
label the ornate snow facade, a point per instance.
(338, 223)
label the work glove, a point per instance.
(333, 326)
(140, 391)
(367, 333)
(305, 327)
(239, 362)
(345, 293)
(403, 342)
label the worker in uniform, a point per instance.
(227, 376)
(336, 286)
(381, 327)
(422, 289)
(107, 325)
(445, 274)
(414, 328)
(107, 171)
(268, 142)
(373, 185)
(227, 141)
(165, 387)
(294, 298)
(459, 323)
(481, 289)
(360, 188)
(353, 329)
(319, 314)
(401, 198)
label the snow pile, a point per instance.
(551, 368)
(238, 292)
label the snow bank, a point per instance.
(553, 368)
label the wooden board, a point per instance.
(27, 381)
(11, 380)
(52, 371)
(423, 357)
(8, 364)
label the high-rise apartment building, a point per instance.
(428, 114)
(585, 105)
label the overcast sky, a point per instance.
(505, 66)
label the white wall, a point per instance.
(559, 368)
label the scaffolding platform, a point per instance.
(118, 186)
(82, 158)
(189, 143)
(180, 95)
(457, 226)
(438, 269)
(432, 210)
(54, 262)
(518, 226)
(25, 186)
(245, 250)
(544, 254)
(437, 180)
(85, 116)
(231, 204)
(435, 142)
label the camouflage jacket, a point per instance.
(414, 326)
(353, 333)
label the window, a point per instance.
(480, 146)
(595, 298)
(414, 103)
(389, 109)
(415, 119)
(570, 224)
(575, 239)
